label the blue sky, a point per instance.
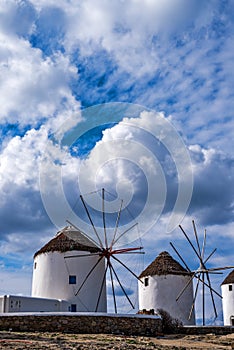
(57, 58)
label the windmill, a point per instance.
(202, 273)
(108, 251)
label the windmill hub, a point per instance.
(106, 253)
(107, 250)
(202, 274)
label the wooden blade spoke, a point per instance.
(203, 246)
(83, 233)
(103, 216)
(185, 287)
(131, 253)
(214, 273)
(127, 268)
(190, 242)
(112, 286)
(211, 294)
(101, 289)
(221, 268)
(117, 224)
(195, 232)
(125, 250)
(203, 300)
(81, 255)
(211, 272)
(208, 286)
(116, 276)
(180, 257)
(210, 255)
(91, 221)
(202, 274)
(194, 299)
(93, 268)
(124, 233)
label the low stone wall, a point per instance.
(218, 330)
(82, 323)
(97, 323)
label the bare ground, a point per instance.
(55, 341)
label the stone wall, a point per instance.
(78, 323)
(218, 330)
(97, 323)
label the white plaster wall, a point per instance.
(4, 303)
(51, 279)
(228, 303)
(161, 293)
(18, 303)
(1, 303)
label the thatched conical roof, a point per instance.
(164, 264)
(68, 239)
(229, 279)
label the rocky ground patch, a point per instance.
(55, 341)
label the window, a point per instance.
(35, 265)
(73, 307)
(146, 281)
(72, 279)
(230, 287)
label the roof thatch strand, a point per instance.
(63, 243)
(229, 279)
(164, 264)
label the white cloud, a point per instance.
(164, 54)
(19, 159)
(213, 191)
(21, 206)
(15, 282)
(16, 17)
(133, 34)
(39, 86)
(32, 86)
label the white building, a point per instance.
(163, 280)
(19, 303)
(57, 277)
(227, 288)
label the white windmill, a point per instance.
(55, 278)
(75, 266)
(227, 288)
(161, 283)
(202, 273)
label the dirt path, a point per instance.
(55, 341)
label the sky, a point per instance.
(132, 96)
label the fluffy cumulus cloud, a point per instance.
(179, 51)
(21, 162)
(21, 207)
(25, 71)
(142, 143)
(211, 199)
(58, 57)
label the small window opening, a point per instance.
(35, 266)
(73, 307)
(230, 287)
(146, 281)
(72, 279)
